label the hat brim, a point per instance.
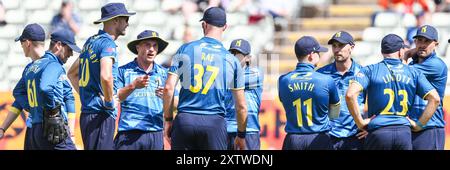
(18, 38)
(322, 49)
(425, 36)
(161, 44)
(74, 48)
(240, 50)
(330, 42)
(114, 16)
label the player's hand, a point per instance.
(239, 143)
(159, 92)
(409, 53)
(115, 99)
(362, 134)
(414, 126)
(364, 124)
(141, 82)
(167, 130)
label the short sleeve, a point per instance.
(238, 76)
(109, 50)
(334, 94)
(361, 78)
(423, 86)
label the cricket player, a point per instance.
(390, 88)
(344, 133)
(254, 79)
(206, 71)
(425, 59)
(94, 75)
(36, 34)
(46, 77)
(32, 42)
(141, 85)
(309, 98)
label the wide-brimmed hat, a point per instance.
(113, 10)
(148, 34)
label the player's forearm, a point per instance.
(241, 118)
(73, 76)
(241, 109)
(10, 118)
(125, 91)
(352, 104)
(433, 102)
(106, 78)
(107, 83)
(168, 102)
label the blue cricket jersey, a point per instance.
(44, 83)
(206, 71)
(391, 87)
(306, 96)
(435, 70)
(21, 100)
(344, 126)
(20, 94)
(253, 93)
(142, 109)
(95, 48)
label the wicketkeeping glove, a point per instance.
(55, 130)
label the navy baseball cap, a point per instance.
(113, 10)
(215, 16)
(33, 32)
(148, 34)
(241, 45)
(65, 37)
(308, 44)
(427, 31)
(342, 37)
(392, 43)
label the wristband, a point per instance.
(418, 123)
(109, 105)
(241, 134)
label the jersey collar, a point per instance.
(155, 69)
(52, 56)
(416, 58)
(304, 67)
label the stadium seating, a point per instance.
(150, 15)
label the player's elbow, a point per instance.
(433, 97)
(349, 96)
(168, 89)
(106, 78)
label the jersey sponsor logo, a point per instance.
(297, 76)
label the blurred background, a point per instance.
(271, 26)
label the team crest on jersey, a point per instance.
(360, 74)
